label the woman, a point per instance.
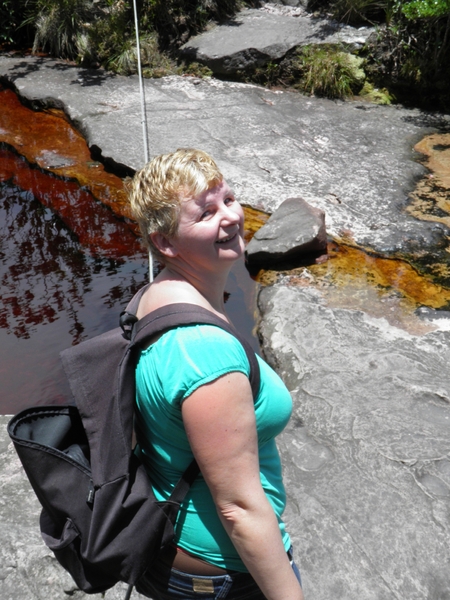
(194, 399)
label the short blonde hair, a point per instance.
(156, 191)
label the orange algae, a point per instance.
(431, 198)
(46, 139)
(354, 279)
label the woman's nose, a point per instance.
(231, 214)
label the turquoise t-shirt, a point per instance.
(169, 371)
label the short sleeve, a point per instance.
(188, 357)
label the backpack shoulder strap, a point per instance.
(176, 315)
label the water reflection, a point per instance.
(54, 293)
(44, 274)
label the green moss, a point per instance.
(375, 95)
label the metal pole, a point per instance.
(144, 127)
(141, 85)
(128, 594)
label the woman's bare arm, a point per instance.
(220, 423)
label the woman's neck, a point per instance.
(189, 286)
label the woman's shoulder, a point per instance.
(200, 337)
(192, 355)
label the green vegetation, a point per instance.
(410, 55)
(408, 58)
(375, 95)
(61, 25)
(357, 11)
(327, 71)
(101, 32)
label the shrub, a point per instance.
(60, 24)
(8, 22)
(11, 16)
(154, 63)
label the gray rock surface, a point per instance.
(354, 161)
(295, 230)
(255, 37)
(367, 452)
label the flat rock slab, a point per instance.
(367, 452)
(354, 161)
(257, 36)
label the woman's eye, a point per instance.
(229, 200)
(205, 215)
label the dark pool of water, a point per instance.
(57, 291)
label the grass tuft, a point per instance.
(329, 72)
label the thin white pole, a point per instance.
(141, 85)
(150, 266)
(143, 117)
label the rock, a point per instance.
(296, 229)
(366, 454)
(255, 37)
(430, 314)
(290, 2)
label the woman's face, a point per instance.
(210, 228)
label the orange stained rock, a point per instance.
(354, 270)
(384, 273)
(437, 148)
(47, 139)
(431, 198)
(254, 220)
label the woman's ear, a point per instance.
(163, 244)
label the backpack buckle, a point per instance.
(127, 321)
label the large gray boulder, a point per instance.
(256, 37)
(295, 230)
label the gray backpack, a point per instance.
(99, 515)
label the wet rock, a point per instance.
(256, 37)
(367, 452)
(431, 314)
(296, 229)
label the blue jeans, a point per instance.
(163, 583)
